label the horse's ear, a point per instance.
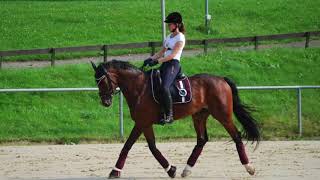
(93, 66)
(104, 69)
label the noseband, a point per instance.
(110, 91)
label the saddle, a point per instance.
(180, 90)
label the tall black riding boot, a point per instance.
(167, 104)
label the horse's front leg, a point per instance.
(199, 122)
(134, 135)
(149, 134)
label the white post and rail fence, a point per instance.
(298, 90)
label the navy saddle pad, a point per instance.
(180, 89)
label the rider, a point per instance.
(169, 56)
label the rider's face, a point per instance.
(172, 26)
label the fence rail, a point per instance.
(153, 45)
(46, 90)
(297, 88)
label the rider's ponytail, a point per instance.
(181, 27)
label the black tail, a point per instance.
(242, 112)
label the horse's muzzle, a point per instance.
(106, 102)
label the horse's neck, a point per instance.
(132, 86)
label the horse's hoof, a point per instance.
(114, 174)
(185, 173)
(250, 169)
(172, 171)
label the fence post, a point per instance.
(105, 53)
(307, 39)
(153, 48)
(1, 59)
(205, 46)
(256, 44)
(121, 115)
(207, 16)
(299, 111)
(53, 56)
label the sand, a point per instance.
(219, 160)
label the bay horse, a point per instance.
(212, 95)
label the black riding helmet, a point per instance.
(174, 17)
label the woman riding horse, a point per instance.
(170, 67)
(211, 95)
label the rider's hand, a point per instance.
(153, 63)
(146, 62)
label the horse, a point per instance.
(211, 95)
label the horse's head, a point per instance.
(107, 86)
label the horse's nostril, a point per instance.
(106, 102)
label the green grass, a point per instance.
(72, 117)
(43, 24)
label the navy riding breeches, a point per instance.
(169, 70)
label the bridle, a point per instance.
(110, 83)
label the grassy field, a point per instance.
(46, 23)
(72, 117)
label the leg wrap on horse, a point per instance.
(122, 158)
(241, 150)
(123, 154)
(242, 153)
(196, 152)
(157, 154)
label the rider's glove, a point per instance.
(146, 62)
(153, 63)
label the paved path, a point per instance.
(133, 57)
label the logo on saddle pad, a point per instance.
(180, 89)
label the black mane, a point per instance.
(116, 64)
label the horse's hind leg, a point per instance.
(222, 111)
(149, 135)
(199, 121)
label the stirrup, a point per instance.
(164, 120)
(161, 122)
(168, 119)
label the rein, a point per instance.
(111, 91)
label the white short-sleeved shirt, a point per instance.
(170, 42)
